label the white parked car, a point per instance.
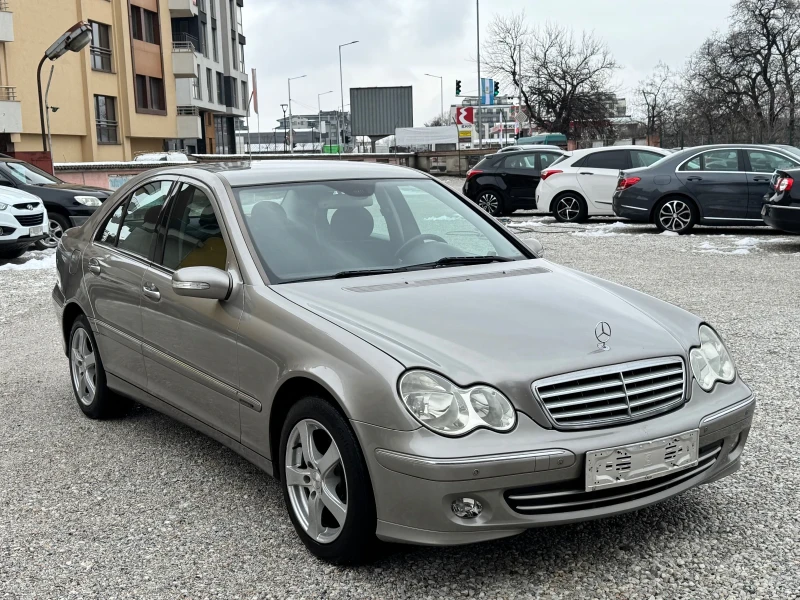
(516, 148)
(582, 184)
(22, 222)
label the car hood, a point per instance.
(78, 189)
(506, 324)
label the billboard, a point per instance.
(378, 111)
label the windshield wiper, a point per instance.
(360, 272)
(468, 260)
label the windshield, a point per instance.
(341, 228)
(25, 173)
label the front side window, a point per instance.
(138, 230)
(768, 162)
(316, 230)
(28, 174)
(193, 236)
(609, 159)
(110, 231)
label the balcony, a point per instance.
(184, 59)
(189, 123)
(183, 8)
(6, 23)
(10, 111)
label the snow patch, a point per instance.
(444, 218)
(31, 261)
(670, 233)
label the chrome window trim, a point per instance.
(607, 370)
(678, 168)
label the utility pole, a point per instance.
(47, 112)
(291, 128)
(283, 106)
(480, 88)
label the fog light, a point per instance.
(466, 508)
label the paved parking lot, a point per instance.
(145, 507)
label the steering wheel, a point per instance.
(417, 239)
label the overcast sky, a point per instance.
(400, 40)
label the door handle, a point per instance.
(94, 266)
(694, 178)
(762, 179)
(151, 291)
(502, 174)
(585, 173)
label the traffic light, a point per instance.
(496, 89)
(458, 87)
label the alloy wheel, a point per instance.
(54, 233)
(489, 202)
(84, 366)
(568, 208)
(675, 215)
(316, 481)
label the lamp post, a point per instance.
(341, 85)
(441, 92)
(319, 117)
(283, 106)
(291, 136)
(73, 40)
(480, 88)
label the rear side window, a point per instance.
(643, 158)
(548, 159)
(767, 162)
(610, 159)
(520, 161)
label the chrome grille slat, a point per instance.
(613, 395)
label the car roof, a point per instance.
(584, 151)
(265, 172)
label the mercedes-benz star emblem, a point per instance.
(603, 333)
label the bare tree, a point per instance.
(656, 95)
(440, 120)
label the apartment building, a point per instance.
(211, 80)
(109, 102)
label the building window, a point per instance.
(239, 18)
(197, 92)
(241, 58)
(210, 85)
(234, 94)
(150, 94)
(105, 116)
(101, 47)
(203, 40)
(245, 96)
(213, 5)
(144, 25)
(234, 58)
(214, 43)
(220, 89)
(222, 135)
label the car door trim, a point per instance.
(121, 337)
(633, 207)
(730, 219)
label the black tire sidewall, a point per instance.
(501, 202)
(692, 222)
(101, 405)
(357, 541)
(583, 214)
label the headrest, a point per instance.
(267, 213)
(351, 224)
(151, 214)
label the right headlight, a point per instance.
(445, 408)
(711, 362)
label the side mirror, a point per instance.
(202, 282)
(535, 246)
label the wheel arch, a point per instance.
(56, 208)
(564, 193)
(72, 311)
(680, 195)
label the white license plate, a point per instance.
(35, 231)
(641, 461)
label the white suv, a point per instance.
(22, 222)
(582, 184)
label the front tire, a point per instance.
(57, 225)
(675, 214)
(491, 201)
(326, 484)
(88, 376)
(570, 207)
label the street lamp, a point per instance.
(441, 92)
(283, 106)
(291, 136)
(341, 85)
(74, 39)
(319, 118)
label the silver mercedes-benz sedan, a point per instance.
(407, 368)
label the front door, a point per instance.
(717, 181)
(190, 343)
(598, 176)
(761, 164)
(113, 266)
(521, 176)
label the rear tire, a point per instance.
(326, 485)
(570, 207)
(675, 214)
(491, 201)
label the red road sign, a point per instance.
(465, 115)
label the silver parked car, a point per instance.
(407, 368)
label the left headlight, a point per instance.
(445, 408)
(711, 362)
(88, 200)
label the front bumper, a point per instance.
(630, 207)
(417, 475)
(785, 218)
(15, 235)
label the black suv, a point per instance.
(504, 182)
(67, 204)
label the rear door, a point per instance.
(113, 267)
(520, 173)
(717, 180)
(760, 165)
(598, 175)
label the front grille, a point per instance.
(25, 205)
(558, 498)
(29, 220)
(612, 395)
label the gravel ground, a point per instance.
(143, 507)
